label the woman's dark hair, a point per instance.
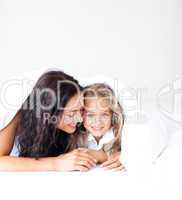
(36, 136)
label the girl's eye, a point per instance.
(70, 116)
(90, 115)
(105, 115)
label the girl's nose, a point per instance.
(96, 121)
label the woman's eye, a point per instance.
(70, 114)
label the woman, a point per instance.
(46, 129)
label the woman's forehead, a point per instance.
(74, 103)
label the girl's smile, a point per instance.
(96, 119)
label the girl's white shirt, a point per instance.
(93, 144)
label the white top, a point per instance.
(107, 137)
(14, 151)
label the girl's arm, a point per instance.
(111, 162)
(99, 155)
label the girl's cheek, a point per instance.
(88, 123)
(107, 124)
(85, 122)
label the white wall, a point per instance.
(138, 42)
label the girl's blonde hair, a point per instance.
(104, 91)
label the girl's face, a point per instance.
(71, 115)
(97, 116)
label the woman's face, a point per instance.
(71, 115)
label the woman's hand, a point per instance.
(77, 160)
(113, 163)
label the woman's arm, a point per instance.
(10, 163)
(7, 136)
(75, 160)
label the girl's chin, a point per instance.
(97, 134)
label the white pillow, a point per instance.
(143, 143)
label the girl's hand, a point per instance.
(113, 163)
(77, 160)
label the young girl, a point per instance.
(103, 120)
